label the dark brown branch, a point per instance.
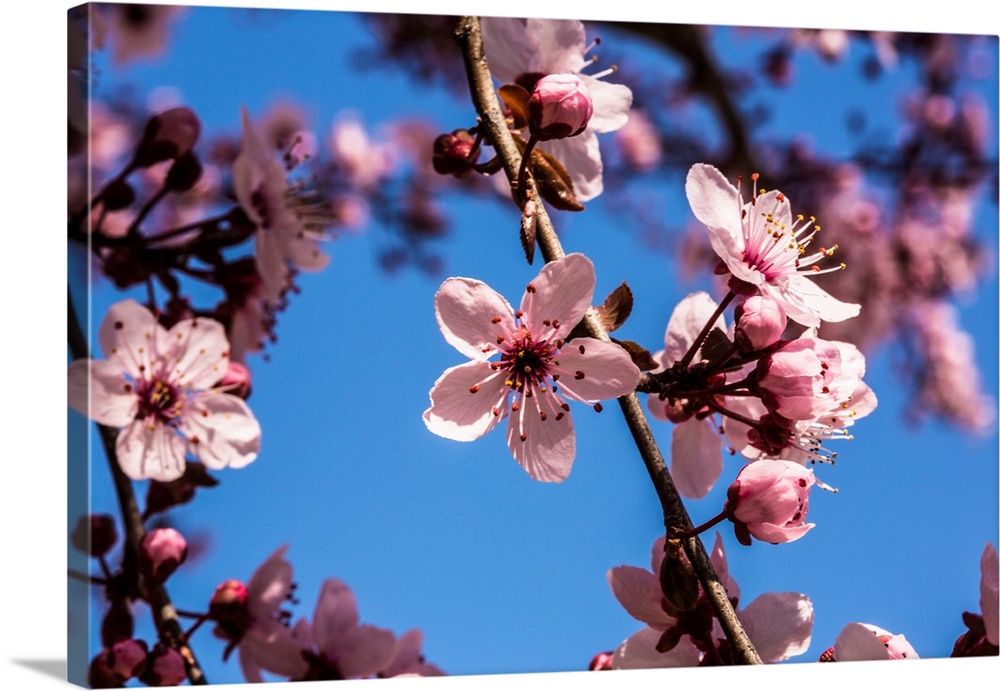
(164, 614)
(675, 515)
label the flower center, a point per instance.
(160, 400)
(527, 361)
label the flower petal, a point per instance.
(99, 390)
(271, 647)
(779, 625)
(201, 350)
(719, 561)
(638, 591)
(639, 652)
(509, 49)
(466, 310)
(777, 534)
(561, 293)
(270, 585)
(594, 371)
(581, 156)
(560, 44)
(696, 457)
(686, 322)
(336, 615)
(150, 450)
(611, 104)
(221, 431)
(807, 303)
(131, 338)
(458, 414)
(365, 651)
(858, 642)
(545, 448)
(715, 202)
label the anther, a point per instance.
(474, 388)
(579, 375)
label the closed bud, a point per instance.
(678, 581)
(560, 106)
(453, 153)
(164, 667)
(100, 676)
(237, 380)
(770, 500)
(160, 553)
(95, 534)
(760, 321)
(170, 134)
(601, 661)
(127, 658)
(229, 603)
(118, 195)
(184, 173)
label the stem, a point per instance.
(484, 97)
(689, 355)
(146, 208)
(180, 230)
(164, 614)
(750, 422)
(698, 530)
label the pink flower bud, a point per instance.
(229, 602)
(127, 658)
(809, 377)
(160, 553)
(170, 134)
(95, 534)
(164, 667)
(760, 321)
(237, 380)
(560, 106)
(453, 153)
(601, 661)
(769, 500)
(99, 675)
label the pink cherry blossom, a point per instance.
(809, 376)
(696, 446)
(779, 624)
(336, 645)
(517, 48)
(867, 642)
(560, 107)
(536, 369)
(289, 222)
(769, 500)
(763, 246)
(760, 321)
(252, 619)
(159, 386)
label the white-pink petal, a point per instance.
(271, 647)
(607, 369)
(612, 103)
(581, 156)
(714, 201)
(99, 390)
(695, 457)
(201, 351)
(548, 446)
(562, 291)
(131, 337)
(336, 615)
(721, 564)
(367, 650)
(221, 431)
(458, 414)
(150, 450)
(779, 625)
(639, 652)
(270, 585)
(471, 315)
(638, 591)
(686, 322)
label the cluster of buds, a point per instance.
(131, 658)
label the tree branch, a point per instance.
(484, 97)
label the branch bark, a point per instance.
(164, 614)
(469, 39)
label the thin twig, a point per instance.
(164, 614)
(484, 98)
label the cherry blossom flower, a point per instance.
(769, 500)
(336, 645)
(251, 618)
(779, 624)
(867, 642)
(696, 446)
(519, 49)
(536, 369)
(764, 247)
(288, 221)
(159, 386)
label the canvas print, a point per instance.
(412, 345)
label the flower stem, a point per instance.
(696, 344)
(469, 38)
(164, 614)
(698, 530)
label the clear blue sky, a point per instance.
(502, 573)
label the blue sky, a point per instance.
(502, 573)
